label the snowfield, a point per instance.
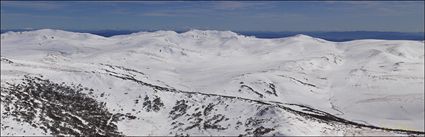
(208, 82)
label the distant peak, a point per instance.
(161, 32)
(33, 31)
(302, 36)
(53, 33)
(214, 33)
(48, 32)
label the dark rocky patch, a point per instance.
(252, 90)
(262, 130)
(212, 123)
(299, 81)
(208, 109)
(320, 116)
(3, 59)
(273, 89)
(123, 68)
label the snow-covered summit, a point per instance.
(45, 34)
(209, 33)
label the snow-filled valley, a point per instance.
(205, 82)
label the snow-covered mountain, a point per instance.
(198, 82)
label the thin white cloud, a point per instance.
(195, 12)
(381, 8)
(36, 5)
(216, 9)
(235, 5)
(159, 14)
(25, 16)
(229, 5)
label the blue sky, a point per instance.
(219, 15)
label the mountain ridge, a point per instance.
(330, 36)
(197, 83)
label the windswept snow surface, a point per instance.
(218, 83)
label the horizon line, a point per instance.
(185, 30)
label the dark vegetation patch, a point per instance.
(201, 119)
(58, 108)
(154, 105)
(179, 109)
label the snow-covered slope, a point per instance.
(208, 83)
